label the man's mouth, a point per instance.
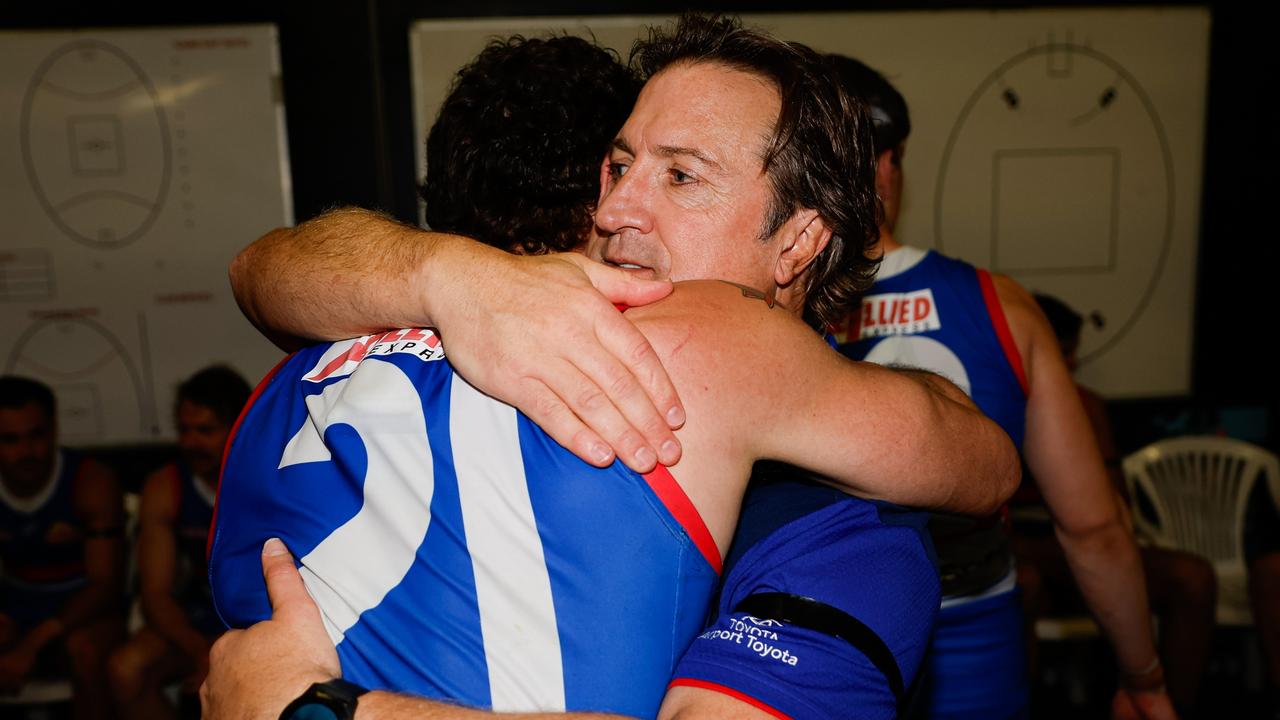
(643, 272)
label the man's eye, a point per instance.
(617, 170)
(681, 177)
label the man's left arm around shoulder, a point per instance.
(255, 673)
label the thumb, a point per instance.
(284, 584)
(620, 286)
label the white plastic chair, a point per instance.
(1199, 487)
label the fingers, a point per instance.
(620, 286)
(576, 412)
(650, 403)
(284, 584)
(632, 376)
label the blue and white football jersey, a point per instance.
(933, 312)
(455, 550)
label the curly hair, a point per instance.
(514, 157)
(821, 156)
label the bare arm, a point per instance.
(774, 390)
(537, 332)
(99, 506)
(158, 562)
(689, 703)
(1063, 454)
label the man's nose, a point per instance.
(626, 205)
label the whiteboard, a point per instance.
(1061, 147)
(135, 163)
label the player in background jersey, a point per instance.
(61, 553)
(173, 532)
(985, 331)
(629, 206)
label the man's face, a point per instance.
(26, 447)
(202, 438)
(683, 190)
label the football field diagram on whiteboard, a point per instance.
(1058, 171)
(138, 162)
(107, 184)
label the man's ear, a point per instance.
(804, 238)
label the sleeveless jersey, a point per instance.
(870, 560)
(42, 546)
(937, 313)
(454, 549)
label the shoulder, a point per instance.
(706, 323)
(1027, 322)
(96, 493)
(726, 347)
(160, 492)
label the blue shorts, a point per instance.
(977, 664)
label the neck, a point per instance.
(887, 242)
(23, 488)
(790, 299)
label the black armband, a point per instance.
(820, 617)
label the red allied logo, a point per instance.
(897, 314)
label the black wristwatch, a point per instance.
(333, 700)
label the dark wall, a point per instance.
(347, 94)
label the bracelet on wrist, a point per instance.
(1149, 679)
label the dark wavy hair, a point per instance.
(514, 157)
(821, 155)
(890, 120)
(16, 392)
(218, 388)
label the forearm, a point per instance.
(390, 706)
(974, 462)
(346, 273)
(42, 634)
(93, 601)
(1108, 570)
(167, 618)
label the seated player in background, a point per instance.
(61, 553)
(173, 532)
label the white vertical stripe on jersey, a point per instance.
(513, 588)
(352, 569)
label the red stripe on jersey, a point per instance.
(257, 392)
(735, 694)
(683, 510)
(1001, 326)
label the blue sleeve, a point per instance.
(870, 561)
(790, 671)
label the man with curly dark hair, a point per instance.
(731, 173)
(554, 104)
